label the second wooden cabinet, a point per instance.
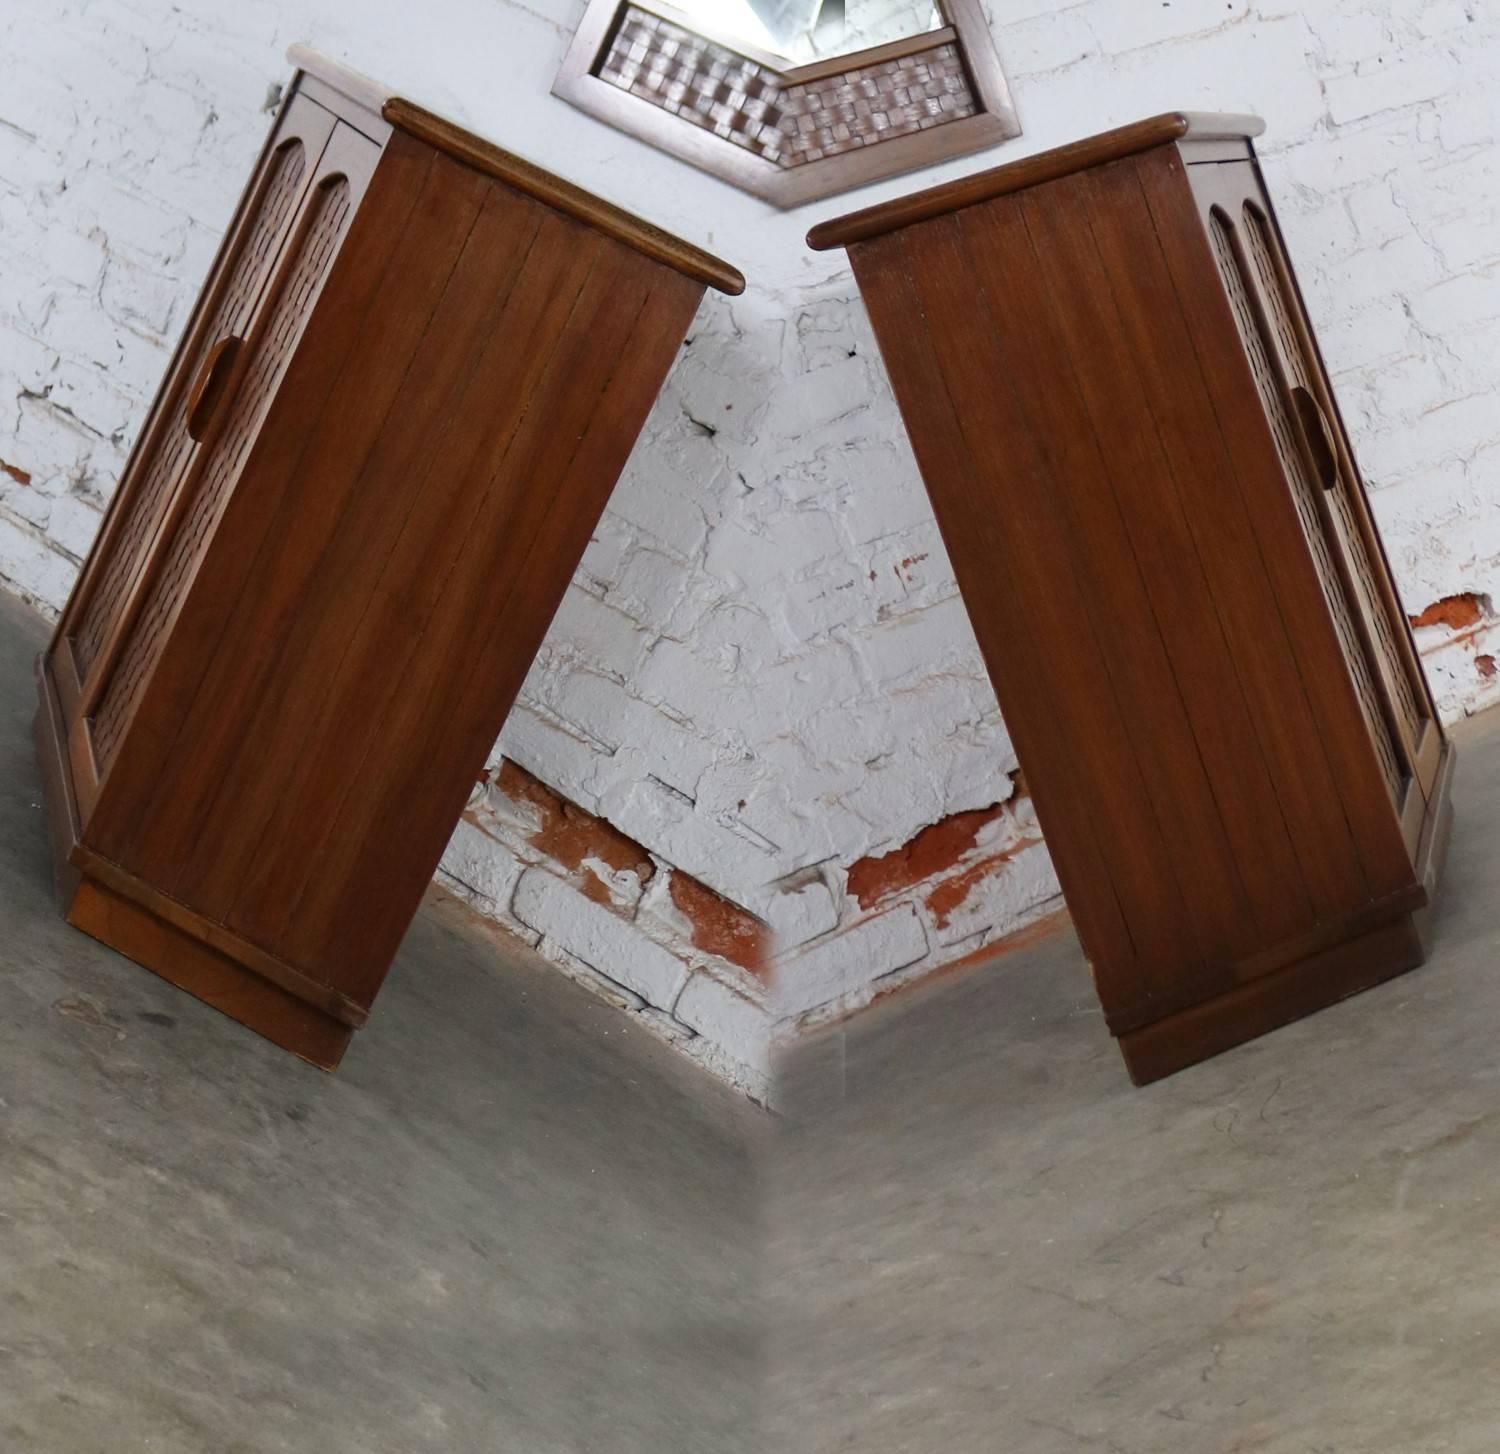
(403, 399)
(1151, 504)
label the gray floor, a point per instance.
(505, 1226)
(501, 1227)
(986, 1240)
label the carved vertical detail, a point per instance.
(1305, 499)
(148, 504)
(229, 452)
(1262, 250)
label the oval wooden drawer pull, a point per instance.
(1319, 437)
(208, 388)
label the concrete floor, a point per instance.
(983, 1239)
(507, 1224)
(504, 1225)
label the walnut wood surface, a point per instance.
(526, 177)
(441, 379)
(1241, 820)
(1046, 166)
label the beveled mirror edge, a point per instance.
(784, 187)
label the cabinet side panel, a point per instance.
(1176, 688)
(1339, 732)
(1004, 520)
(515, 540)
(428, 515)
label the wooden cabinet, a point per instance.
(1127, 432)
(405, 394)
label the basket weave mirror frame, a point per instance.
(790, 134)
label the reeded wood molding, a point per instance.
(523, 175)
(1046, 166)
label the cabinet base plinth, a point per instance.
(163, 948)
(209, 976)
(1306, 985)
(1251, 1010)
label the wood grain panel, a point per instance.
(1054, 597)
(979, 537)
(1004, 581)
(1191, 733)
(407, 818)
(495, 404)
(1116, 326)
(318, 588)
(493, 536)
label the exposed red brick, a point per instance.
(719, 926)
(945, 899)
(15, 472)
(1486, 665)
(596, 889)
(1455, 612)
(934, 850)
(569, 834)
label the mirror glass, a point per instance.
(796, 32)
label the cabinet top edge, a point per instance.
(1046, 166)
(524, 176)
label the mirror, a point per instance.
(793, 99)
(800, 31)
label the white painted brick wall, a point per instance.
(762, 671)
(602, 940)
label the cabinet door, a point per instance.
(164, 450)
(1324, 481)
(222, 424)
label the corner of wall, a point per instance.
(686, 962)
